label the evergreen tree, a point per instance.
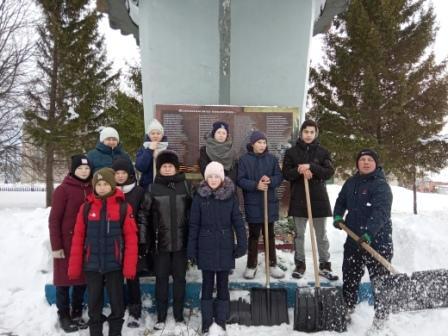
(72, 87)
(381, 88)
(126, 114)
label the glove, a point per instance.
(238, 253)
(338, 220)
(365, 238)
(59, 254)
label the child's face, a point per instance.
(168, 169)
(83, 172)
(121, 176)
(102, 188)
(220, 135)
(111, 142)
(366, 164)
(214, 181)
(155, 136)
(259, 146)
(309, 134)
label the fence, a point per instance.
(22, 187)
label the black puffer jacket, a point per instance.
(322, 169)
(164, 214)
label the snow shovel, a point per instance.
(422, 290)
(323, 308)
(269, 306)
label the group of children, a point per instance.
(103, 222)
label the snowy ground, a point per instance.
(420, 244)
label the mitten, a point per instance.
(338, 220)
(365, 238)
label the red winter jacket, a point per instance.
(66, 200)
(104, 230)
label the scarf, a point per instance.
(221, 152)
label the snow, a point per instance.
(420, 244)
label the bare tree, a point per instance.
(15, 52)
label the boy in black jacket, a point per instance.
(308, 159)
(164, 214)
(133, 193)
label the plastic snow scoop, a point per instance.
(318, 308)
(400, 292)
(269, 306)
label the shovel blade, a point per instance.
(320, 309)
(269, 306)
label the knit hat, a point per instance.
(214, 168)
(154, 125)
(167, 156)
(369, 152)
(78, 160)
(109, 132)
(104, 174)
(309, 123)
(255, 136)
(123, 164)
(219, 124)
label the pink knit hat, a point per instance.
(214, 168)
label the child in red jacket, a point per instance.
(105, 249)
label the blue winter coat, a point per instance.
(368, 201)
(215, 219)
(103, 156)
(145, 165)
(251, 167)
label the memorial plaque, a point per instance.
(187, 126)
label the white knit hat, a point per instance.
(109, 132)
(214, 168)
(154, 125)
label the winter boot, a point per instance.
(222, 312)
(115, 327)
(249, 273)
(78, 319)
(276, 272)
(207, 314)
(95, 328)
(326, 272)
(299, 270)
(135, 312)
(66, 323)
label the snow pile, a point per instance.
(420, 244)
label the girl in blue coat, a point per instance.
(155, 142)
(215, 219)
(258, 170)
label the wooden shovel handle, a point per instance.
(266, 238)
(369, 249)
(312, 233)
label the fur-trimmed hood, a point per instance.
(224, 192)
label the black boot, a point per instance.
(135, 312)
(207, 314)
(222, 313)
(77, 318)
(299, 270)
(66, 322)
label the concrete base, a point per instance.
(193, 291)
